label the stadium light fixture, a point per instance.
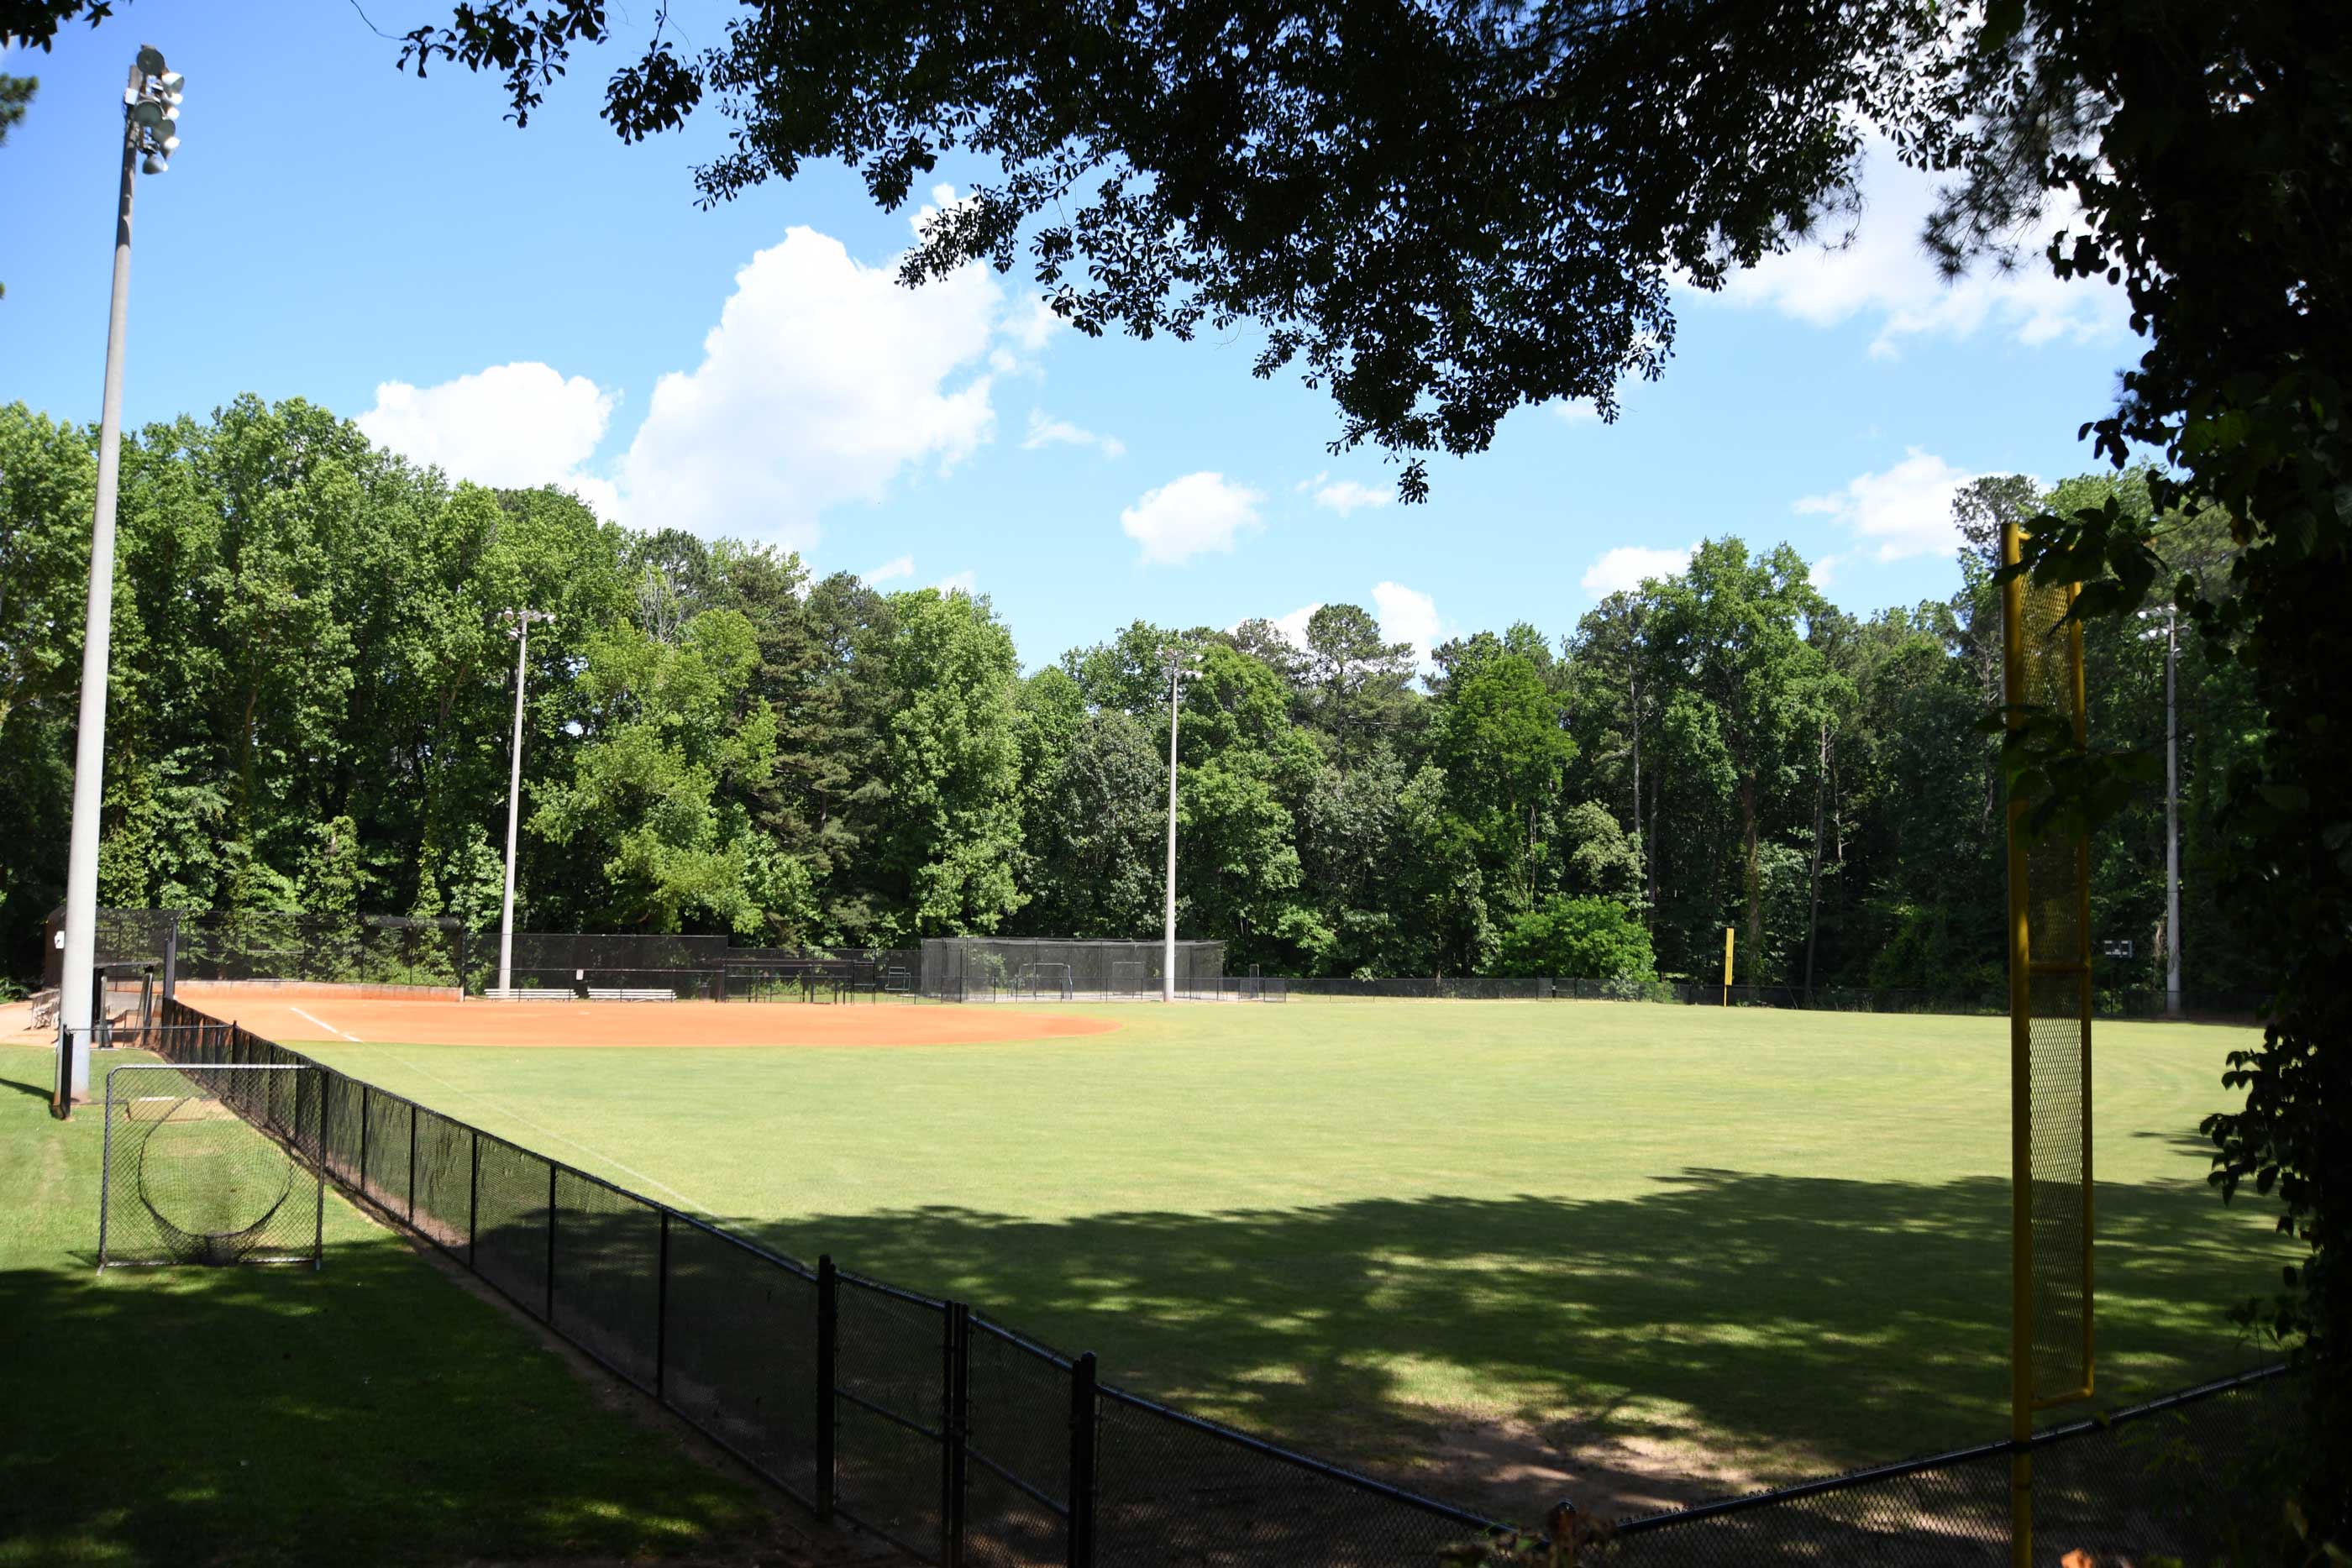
(151, 119)
(517, 623)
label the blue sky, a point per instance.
(549, 305)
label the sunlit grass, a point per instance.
(1765, 1242)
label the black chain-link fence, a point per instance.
(955, 1438)
(960, 1440)
(2212, 1007)
(2158, 1481)
(690, 968)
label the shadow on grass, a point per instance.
(371, 1413)
(1777, 1325)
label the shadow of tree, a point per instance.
(1728, 1328)
(369, 1413)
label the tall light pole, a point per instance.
(150, 116)
(518, 624)
(1179, 667)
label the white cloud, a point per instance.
(1885, 272)
(1033, 323)
(1044, 432)
(1572, 411)
(1626, 568)
(1183, 518)
(1904, 511)
(1407, 615)
(1345, 496)
(964, 582)
(897, 566)
(515, 426)
(821, 382)
(1293, 626)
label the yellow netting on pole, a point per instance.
(2050, 1043)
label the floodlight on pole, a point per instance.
(151, 113)
(518, 625)
(1181, 668)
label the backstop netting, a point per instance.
(134, 936)
(986, 968)
(211, 1165)
(325, 949)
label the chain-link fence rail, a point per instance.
(954, 1437)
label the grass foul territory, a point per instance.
(1498, 1251)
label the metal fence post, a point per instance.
(325, 1122)
(364, 1119)
(550, 1242)
(661, 1312)
(1082, 1462)
(473, 1200)
(412, 1161)
(955, 1352)
(828, 1357)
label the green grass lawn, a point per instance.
(372, 1412)
(1451, 1240)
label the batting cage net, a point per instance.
(2051, 1006)
(989, 969)
(211, 1165)
(650, 965)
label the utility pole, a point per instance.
(150, 114)
(1178, 668)
(2171, 817)
(517, 623)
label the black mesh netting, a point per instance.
(444, 1189)
(739, 1351)
(1017, 1449)
(607, 1294)
(1178, 1491)
(2146, 1485)
(210, 1165)
(510, 1199)
(385, 1175)
(890, 1408)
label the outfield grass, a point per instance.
(1484, 1246)
(372, 1411)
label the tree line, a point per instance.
(312, 693)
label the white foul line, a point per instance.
(323, 1024)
